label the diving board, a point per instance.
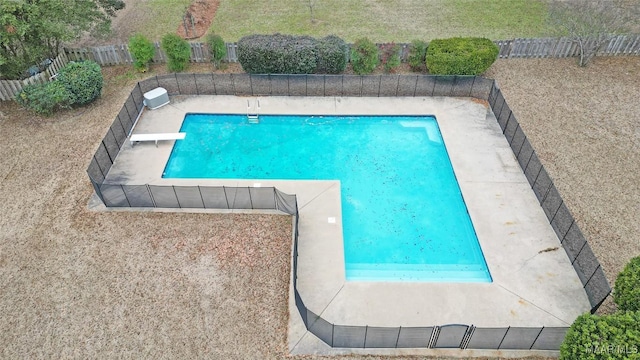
(157, 137)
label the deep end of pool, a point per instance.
(403, 214)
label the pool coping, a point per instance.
(328, 294)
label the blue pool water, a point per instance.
(404, 218)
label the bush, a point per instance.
(277, 54)
(13, 68)
(614, 336)
(178, 52)
(460, 56)
(332, 54)
(627, 289)
(44, 99)
(364, 56)
(390, 57)
(142, 51)
(417, 55)
(83, 80)
(217, 47)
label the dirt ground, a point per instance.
(139, 13)
(201, 12)
(584, 125)
(83, 284)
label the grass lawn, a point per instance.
(151, 18)
(165, 16)
(383, 21)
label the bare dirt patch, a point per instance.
(583, 123)
(198, 19)
(81, 284)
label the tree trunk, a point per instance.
(582, 61)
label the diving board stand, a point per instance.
(157, 137)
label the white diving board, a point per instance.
(157, 137)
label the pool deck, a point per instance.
(533, 284)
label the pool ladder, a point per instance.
(252, 116)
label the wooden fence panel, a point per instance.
(516, 48)
(232, 54)
(10, 88)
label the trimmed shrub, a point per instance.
(332, 54)
(614, 336)
(83, 80)
(390, 57)
(364, 56)
(44, 99)
(460, 56)
(417, 55)
(626, 292)
(217, 47)
(277, 54)
(178, 52)
(142, 51)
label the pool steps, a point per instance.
(253, 117)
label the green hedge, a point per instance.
(288, 54)
(460, 56)
(277, 54)
(364, 56)
(332, 54)
(593, 337)
(44, 99)
(83, 80)
(627, 289)
(142, 51)
(417, 55)
(178, 52)
(390, 57)
(77, 83)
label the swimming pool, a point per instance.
(404, 218)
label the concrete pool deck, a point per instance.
(533, 284)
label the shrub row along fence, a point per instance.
(200, 53)
(515, 48)
(339, 335)
(9, 88)
(120, 55)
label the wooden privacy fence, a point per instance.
(565, 47)
(120, 55)
(515, 48)
(9, 88)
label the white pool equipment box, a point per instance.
(156, 98)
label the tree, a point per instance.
(33, 30)
(593, 23)
(311, 4)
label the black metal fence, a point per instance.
(573, 241)
(211, 197)
(319, 85)
(439, 337)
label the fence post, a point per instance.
(153, 201)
